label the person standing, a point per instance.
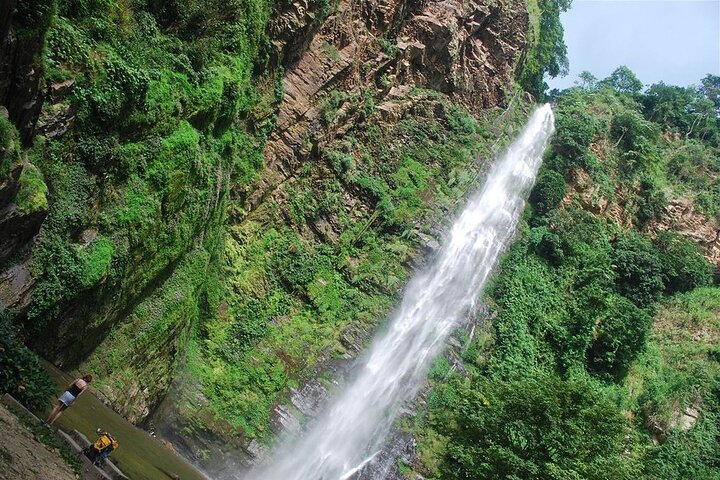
(68, 397)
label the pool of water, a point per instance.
(140, 456)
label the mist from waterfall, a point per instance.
(353, 428)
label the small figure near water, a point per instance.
(68, 397)
(101, 449)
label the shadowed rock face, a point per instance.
(20, 71)
(20, 100)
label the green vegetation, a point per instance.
(488, 439)
(589, 369)
(9, 147)
(22, 374)
(32, 196)
(318, 268)
(163, 92)
(547, 54)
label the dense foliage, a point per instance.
(22, 374)
(163, 118)
(548, 52)
(305, 275)
(488, 439)
(573, 379)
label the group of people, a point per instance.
(105, 443)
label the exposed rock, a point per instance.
(680, 419)
(56, 120)
(23, 457)
(466, 49)
(10, 185)
(16, 286)
(682, 217)
(20, 72)
(17, 227)
(474, 64)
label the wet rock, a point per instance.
(16, 286)
(309, 398)
(287, 421)
(427, 242)
(20, 72)
(17, 229)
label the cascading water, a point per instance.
(351, 432)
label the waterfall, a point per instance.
(352, 430)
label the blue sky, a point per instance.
(674, 41)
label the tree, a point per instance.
(620, 335)
(639, 269)
(690, 111)
(711, 90)
(685, 268)
(623, 80)
(549, 191)
(549, 55)
(533, 428)
(587, 80)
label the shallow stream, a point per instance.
(140, 456)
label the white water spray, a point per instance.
(353, 429)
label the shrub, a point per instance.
(651, 200)
(9, 152)
(576, 129)
(531, 428)
(96, 260)
(619, 336)
(21, 371)
(685, 269)
(639, 269)
(549, 190)
(32, 196)
(638, 140)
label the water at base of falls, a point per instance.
(353, 429)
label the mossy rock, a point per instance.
(32, 196)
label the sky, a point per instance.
(674, 41)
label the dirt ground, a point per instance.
(24, 458)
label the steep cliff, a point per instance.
(367, 157)
(244, 185)
(147, 113)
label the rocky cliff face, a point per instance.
(679, 215)
(372, 148)
(22, 33)
(682, 216)
(194, 212)
(468, 51)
